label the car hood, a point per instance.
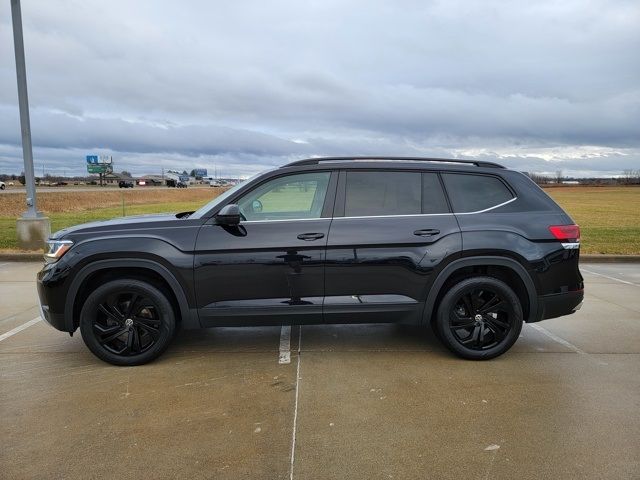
(123, 223)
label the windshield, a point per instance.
(221, 198)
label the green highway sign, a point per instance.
(99, 168)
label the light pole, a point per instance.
(33, 228)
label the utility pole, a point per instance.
(33, 228)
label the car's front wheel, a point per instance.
(479, 318)
(127, 322)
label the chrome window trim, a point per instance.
(395, 216)
(242, 222)
(487, 209)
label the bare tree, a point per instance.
(559, 176)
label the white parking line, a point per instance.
(285, 345)
(558, 339)
(295, 409)
(610, 278)
(19, 328)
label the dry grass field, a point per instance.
(609, 217)
(67, 201)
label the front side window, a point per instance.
(472, 193)
(383, 193)
(290, 197)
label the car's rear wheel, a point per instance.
(127, 322)
(479, 318)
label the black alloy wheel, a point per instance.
(127, 322)
(479, 318)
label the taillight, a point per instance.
(568, 234)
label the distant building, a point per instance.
(115, 177)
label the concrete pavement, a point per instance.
(367, 401)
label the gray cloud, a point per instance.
(540, 85)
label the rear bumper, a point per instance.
(560, 304)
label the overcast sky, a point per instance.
(246, 85)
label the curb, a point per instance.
(21, 257)
(595, 258)
(585, 258)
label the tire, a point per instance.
(479, 318)
(127, 322)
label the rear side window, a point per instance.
(433, 200)
(472, 193)
(383, 193)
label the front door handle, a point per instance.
(310, 236)
(427, 232)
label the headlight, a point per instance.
(56, 249)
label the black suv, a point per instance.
(470, 248)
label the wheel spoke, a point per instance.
(151, 331)
(114, 335)
(473, 339)
(133, 305)
(466, 323)
(498, 333)
(111, 315)
(149, 322)
(137, 341)
(497, 322)
(489, 304)
(468, 304)
(130, 339)
(102, 331)
(494, 308)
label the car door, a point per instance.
(269, 269)
(391, 230)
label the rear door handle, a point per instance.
(310, 236)
(427, 232)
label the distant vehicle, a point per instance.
(59, 184)
(176, 183)
(125, 184)
(2, 186)
(470, 248)
(217, 183)
(148, 182)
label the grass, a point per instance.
(609, 217)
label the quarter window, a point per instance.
(472, 193)
(382, 193)
(290, 197)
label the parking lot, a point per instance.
(365, 401)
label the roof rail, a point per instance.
(315, 161)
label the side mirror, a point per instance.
(229, 215)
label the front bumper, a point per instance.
(49, 298)
(560, 304)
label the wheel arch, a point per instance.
(485, 265)
(136, 268)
